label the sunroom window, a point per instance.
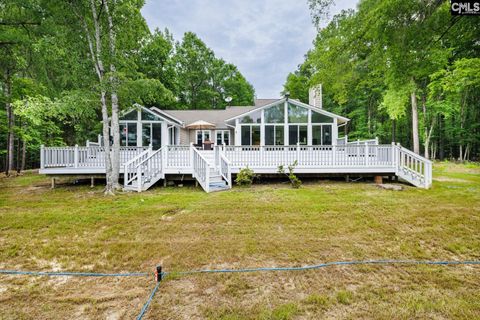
(297, 134)
(320, 118)
(132, 115)
(274, 135)
(297, 114)
(147, 116)
(250, 135)
(322, 134)
(275, 114)
(254, 117)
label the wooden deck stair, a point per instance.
(215, 179)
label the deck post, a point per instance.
(298, 153)
(42, 157)
(139, 178)
(191, 159)
(53, 183)
(207, 178)
(75, 157)
(334, 156)
(394, 156)
(92, 182)
(366, 155)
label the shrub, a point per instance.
(294, 181)
(245, 177)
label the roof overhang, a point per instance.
(168, 117)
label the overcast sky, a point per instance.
(265, 39)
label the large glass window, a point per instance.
(274, 135)
(131, 134)
(316, 135)
(320, 118)
(297, 134)
(146, 134)
(275, 114)
(322, 134)
(147, 116)
(123, 135)
(250, 135)
(132, 115)
(327, 135)
(156, 135)
(297, 114)
(254, 117)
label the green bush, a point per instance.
(245, 177)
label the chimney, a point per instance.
(315, 96)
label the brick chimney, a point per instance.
(315, 96)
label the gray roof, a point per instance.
(216, 117)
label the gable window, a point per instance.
(254, 117)
(320, 118)
(132, 115)
(223, 137)
(250, 135)
(275, 114)
(147, 116)
(297, 114)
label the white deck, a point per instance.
(142, 167)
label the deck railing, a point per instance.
(130, 171)
(178, 157)
(201, 169)
(356, 157)
(311, 156)
(150, 169)
(413, 167)
(82, 157)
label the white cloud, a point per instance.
(265, 39)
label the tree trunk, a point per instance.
(416, 142)
(115, 127)
(394, 130)
(10, 123)
(24, 155)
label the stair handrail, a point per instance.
(225, 170)
(130, 172)
(405, 164)
(201, 169)
(150, 167)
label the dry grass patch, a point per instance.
(76, 228)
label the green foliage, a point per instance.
(372, 59)
(294, 181)
(245, 177)
(203, 80)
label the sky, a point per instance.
(265, 39)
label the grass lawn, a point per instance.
(76, 228)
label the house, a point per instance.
(211, 145)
